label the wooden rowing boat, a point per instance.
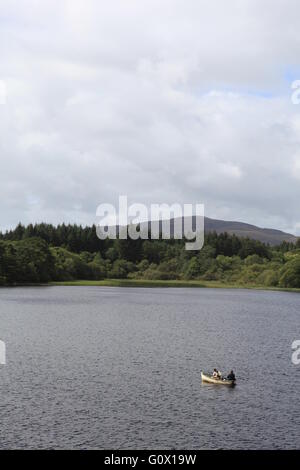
(213, 380)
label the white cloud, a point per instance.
(173, 101)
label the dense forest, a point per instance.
(42, 253)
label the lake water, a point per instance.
(119, 368)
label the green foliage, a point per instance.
(154, 250)
(253, 259)
(26, 261)
(167, 270)
(250, 274)
(268, 278)
(193, 268)
(290, 273)
(41, 253)
(120, 269)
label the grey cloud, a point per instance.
(173, 102)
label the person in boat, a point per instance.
(231, 376)
(217, 374)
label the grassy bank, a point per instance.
(177, 283)
(131, 283)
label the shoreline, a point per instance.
(169, 284)
(154, 284)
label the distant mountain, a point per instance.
(240, 229)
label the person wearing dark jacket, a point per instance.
(231, 376)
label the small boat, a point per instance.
(213, 380)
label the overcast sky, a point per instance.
(165, 101)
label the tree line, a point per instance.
(42, 253)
